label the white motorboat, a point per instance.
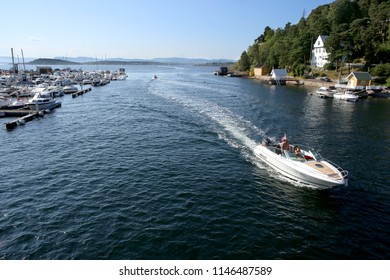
(4, 102)
(42, 101)
(17, 103)
(325, 92)
(70, 89)
(310, 169)
(347, 96)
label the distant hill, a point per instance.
(162, 60)
(123, 62)
(52, 61)
(180, 60)
(118, 61)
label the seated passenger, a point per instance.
(297, 152)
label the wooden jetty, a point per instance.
(27, 115)
(81, 92)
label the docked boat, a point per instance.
(17, 103)
(42, 101)
(325, 92)
(310, 168)
(70, 89)
(4, 102)
(347, 96)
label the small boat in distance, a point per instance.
(347, 96)
(310, 168)
(154, 77)
(326, 92)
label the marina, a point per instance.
(168, 167)
(29, 95)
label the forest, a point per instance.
(358, 30)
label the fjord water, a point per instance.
(164, 169)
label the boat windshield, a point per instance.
(310, 152)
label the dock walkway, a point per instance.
(26, 115)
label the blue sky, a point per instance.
(142, 28)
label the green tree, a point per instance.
(244, 63)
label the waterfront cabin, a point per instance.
(260, 70)
(358, 80)
(319, 56)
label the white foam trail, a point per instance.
(230, 127)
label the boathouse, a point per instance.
(358, 80)
(260, 70)
(279, 74)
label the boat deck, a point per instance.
(324, 169)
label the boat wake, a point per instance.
(236, 131)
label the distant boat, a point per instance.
(154, 77)
(347, 96)
(325, 92)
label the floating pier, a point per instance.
(81, 92)
(27, 115)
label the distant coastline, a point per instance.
(121, 61)
(54, 61)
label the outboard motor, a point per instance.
(266, 141)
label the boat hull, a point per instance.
(300, 171)
(346, 97)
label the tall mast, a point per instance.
(13, 61)
(24, 65)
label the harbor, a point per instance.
(31, 94)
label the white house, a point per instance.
(319, 55)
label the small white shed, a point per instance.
(279, 74)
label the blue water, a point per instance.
(164, 169)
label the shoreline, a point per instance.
(309, 83)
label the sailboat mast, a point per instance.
(13, 62)
(24, 65)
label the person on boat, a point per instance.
(297, 152)
(284, 145)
